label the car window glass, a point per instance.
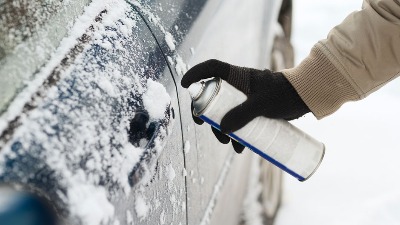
(171, 19)
(29, 32)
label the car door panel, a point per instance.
(240, 33)
(101, 137)
(233, 31)
(226, 37)
(200, 185)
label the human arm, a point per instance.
(359, 56)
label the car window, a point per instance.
(29, 33)
(105, 119)
(170, 21)
(176, 16)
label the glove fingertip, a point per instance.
(197, 120)
(204, 70)
(237, 118)
(186, 81)
(224, 139)
(237, 147)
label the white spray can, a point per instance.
(275, 140)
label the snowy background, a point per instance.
(358, 181)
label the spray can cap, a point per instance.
(203, 93)
(195, 90)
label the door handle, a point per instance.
(147, 135)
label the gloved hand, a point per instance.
(268, 93)
(224, 139)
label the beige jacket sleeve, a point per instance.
(359, 56)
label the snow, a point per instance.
(382, 210)
(186, 148)
(183, 206)
(184, 172)
(357, 182)
(156, 99)
(141, 207)
(129, 217)
(169, 39)
(180, 67)
(107, 86)
(90, 203)
(171, 61)
(170, 172)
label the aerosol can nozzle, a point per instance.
(195, 90)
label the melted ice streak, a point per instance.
(92, 157)
(217, 188)
(162, 217)
(252, 208)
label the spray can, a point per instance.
(275, 140)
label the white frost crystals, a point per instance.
(90, 201)
(180, 66)
(156, 99)
(170, 41)
(74, 143)
(141, 207)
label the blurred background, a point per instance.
(358, 180)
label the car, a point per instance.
(95, 127)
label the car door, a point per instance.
(94, 127)
(190, 32)
(171, 22)
(237, 37)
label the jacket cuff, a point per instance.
(322, 86)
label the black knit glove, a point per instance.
(224, 139)
(268, 93)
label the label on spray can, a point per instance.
(275, 140)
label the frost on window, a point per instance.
(30, 31)
(76, 144)
(19, 19)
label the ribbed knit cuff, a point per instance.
(321, 85)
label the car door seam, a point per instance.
(176, 89)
